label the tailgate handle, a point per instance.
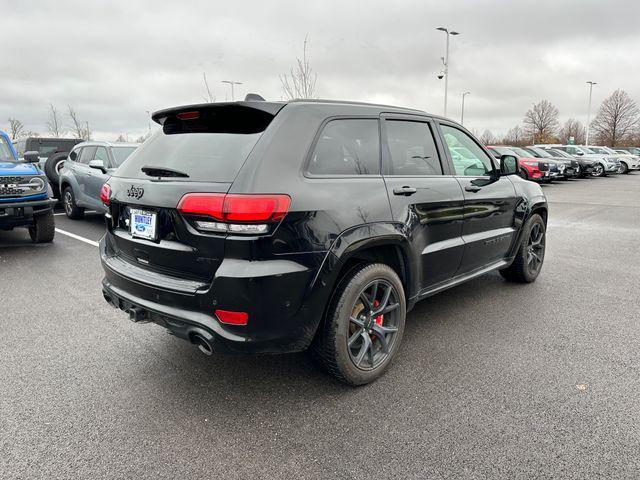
(404, 190)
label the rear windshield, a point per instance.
(120, 154)
(209, 145)
(205, 157)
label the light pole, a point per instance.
(148, 120)
(232, 83)
(462, 116)
(445, 61)
(591, 84)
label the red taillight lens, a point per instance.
(236, 207)
(189, 115)
(232, 318)
(105, 194)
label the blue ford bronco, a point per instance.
(24, 196)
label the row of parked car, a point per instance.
(548, 162)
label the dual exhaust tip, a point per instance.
(197, 336)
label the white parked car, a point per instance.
(627, 161)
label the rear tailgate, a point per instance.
(200, 149)
(178, 249)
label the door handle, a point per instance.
(472, 188)
(404, 190)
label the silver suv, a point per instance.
(88, 167)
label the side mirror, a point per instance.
(98, 165)
(508, 165)
(31, 156)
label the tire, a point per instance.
(349, 344)
(71, 209)
(598, 170)
(51, 167)
(43, 228)
(525, 269)
(624, 168)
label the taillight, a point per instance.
(105, 194)
(235, 213)
(232, 318)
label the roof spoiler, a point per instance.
(220, 108)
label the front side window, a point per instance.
(101, 154)
(412, 149)
(86, 155)
(120, 154)
(347, 147)
(476, 163)
(6, 155)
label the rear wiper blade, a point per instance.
(163, 172)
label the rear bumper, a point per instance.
(21, 213)
(274, 293)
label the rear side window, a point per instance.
(347, 147)
(412, 149)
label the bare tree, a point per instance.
(79, 129)
(210, 98)
(487, 138)
(516, 137)
(573, 128)
(541, 121)
(617, 119)
(16, 127)
(300, 82)
(122, 138)
(54, 125)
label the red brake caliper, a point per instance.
(379, 318)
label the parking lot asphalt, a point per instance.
(493, 380)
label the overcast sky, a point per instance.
(114, 60)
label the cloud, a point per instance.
(115, 60)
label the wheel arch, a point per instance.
(377, 243)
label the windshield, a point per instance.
(537, 152)
(559, 153)
(503, 151)
(521, 152)
(6, 155)
(599, 150)
(120, 154)
(585, 150)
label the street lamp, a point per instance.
(148, 120)
(445, 62)
(232, 83)
(591, 84)
(462, 116)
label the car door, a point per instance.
(96, 178)
(489, 201)
(82, 173)
(424, 196)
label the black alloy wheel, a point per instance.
(373, 325)
(535, 248)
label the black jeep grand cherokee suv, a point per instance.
(275, 227)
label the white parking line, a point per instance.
(87, 211)
(77, 237)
